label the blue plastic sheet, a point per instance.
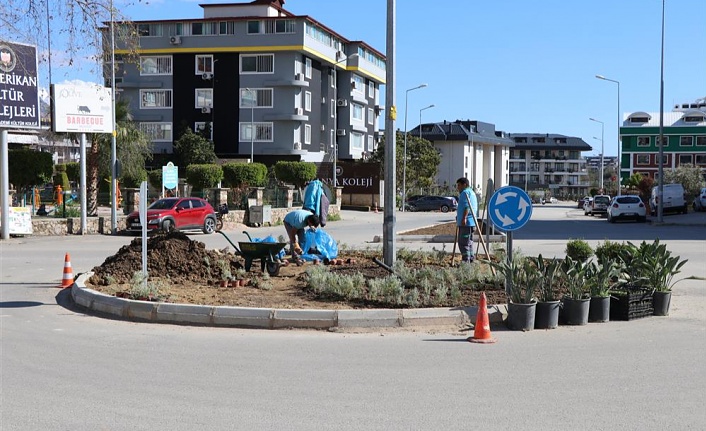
(319, 245)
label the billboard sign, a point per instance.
(82, 108)
(19, 93)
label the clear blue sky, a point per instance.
(525, 66)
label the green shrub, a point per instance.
(134, 180)
(578, 250)
(154, 177)
(609, 251)
(203, 176)
(244, 174)
(73, 170)
(297, 173)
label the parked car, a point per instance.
(184, 213)
(673, 199)
(599, 205)
(699, 203)
(627, 207)
(432, 203)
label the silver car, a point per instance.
(699, 203)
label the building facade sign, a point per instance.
(354, 177)
(19, 93)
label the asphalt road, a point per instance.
(63, 370)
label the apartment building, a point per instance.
(549, 162)
(263, 82)
(684, 131)
(468, 148)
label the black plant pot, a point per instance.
(599, 310)
(547, 315)
(575, 311)
(520, 317)
(661, 301)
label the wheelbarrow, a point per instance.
(265, 252)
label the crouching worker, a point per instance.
(294, 223)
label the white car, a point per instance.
(627, 207)
(699, 203)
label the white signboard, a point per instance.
(82, 108)
(20, 222)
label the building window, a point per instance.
(204, 97)
(356, 141)
(686, 141)
(665, 141)
(643, 141)
(204, 64)
(701, 159)
(307, 67)
(333, 108)
(200, 128)
(700, 141)
(204, 28)
(371, 143)
(643, 159)
(371, 89)
(156, 65)
(358, 84)
(257, 63)
(262, 132)
(152, 99)
(256, 97)
(271, 26)
(685, 159)
(307, 134)
(307, 100)
(226, 27)
(357, 112)
(371, 116)
(157, 131)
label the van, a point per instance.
(599, 205)
(673, 199)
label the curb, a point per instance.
(438, 238)
(272, 318)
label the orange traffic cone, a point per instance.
(481, 333)
(68, 278)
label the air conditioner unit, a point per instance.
(299, 77)
(175, 40)
(206, 75)
(340, 132)
(342, 102)
(205, 110)
(298, 111)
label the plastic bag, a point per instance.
(270, 239)
(318, 244)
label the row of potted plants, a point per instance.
(580, 288)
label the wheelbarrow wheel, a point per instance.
(273, 268)
(248, 264)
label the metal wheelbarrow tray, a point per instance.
(265, 252)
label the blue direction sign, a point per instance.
(170, 176)
(510, 208)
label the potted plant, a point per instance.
(548, 305)
(601, 276)
(225, 272)
(576, 300)
(631, 299)
(522, 278)
(659, 270)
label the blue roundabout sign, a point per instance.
(510, 208)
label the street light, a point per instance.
(334, 135)
(660, 171)
(619, 155)
(420, 118)
(600, 183)
(252, 95)
(113, 138)
(404, 162)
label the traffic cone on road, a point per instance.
(481, 333)
(67, 280)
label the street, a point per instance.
(62, 369)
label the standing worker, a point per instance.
(465, 222)
(294, 223)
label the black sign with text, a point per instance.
(354, 177)
(19, 93)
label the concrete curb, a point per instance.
(272, 318)
(438, 238)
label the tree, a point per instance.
(27, 168)
(193, 149)
(423, 161)
(687, 175)
(297, 173)
(133, 148)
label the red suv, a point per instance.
(176, 214)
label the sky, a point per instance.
(524, 66)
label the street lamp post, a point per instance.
(252, 95)
(404, 161)
(600, 182)
(113, 139)
(420, 118)
(619, 155)
(334, 135)
(660, 171)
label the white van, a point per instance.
(673, 199)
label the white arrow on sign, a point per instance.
(505, 219)
(523, 204)
(502, 197)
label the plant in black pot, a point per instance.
(659, 270)
(576, 299)
(631, 299)
(522, 279)
(547, 312)
(601, 277)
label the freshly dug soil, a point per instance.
(184, 271)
